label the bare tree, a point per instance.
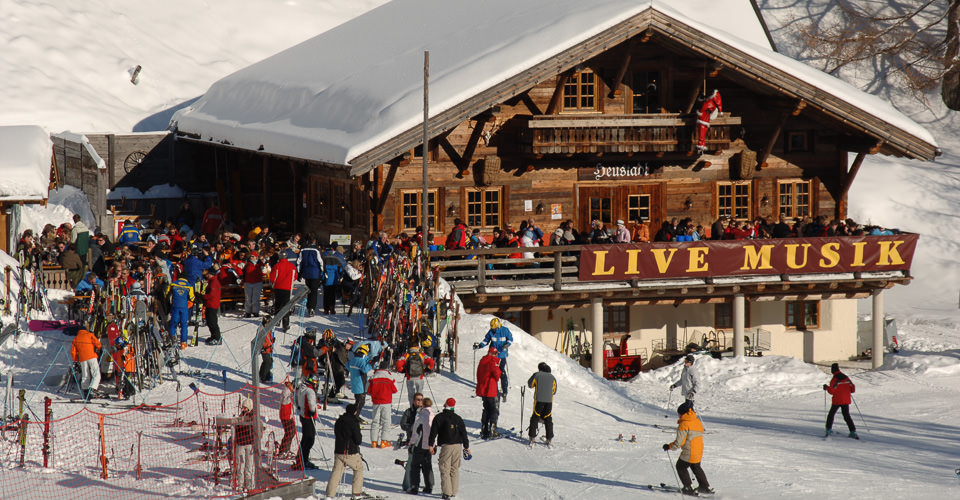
(950, 90)
(903, 41)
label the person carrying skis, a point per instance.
(689, 381)
(414, 366)
(180, 294)
(544, 386)
(420, 448)
(84, 353)
(488, 374)
(841, 388)
(346, 449)
(307, 411)
(449, 432)
(359, 367)
(382, 389)
(690, 441)
(499, 336)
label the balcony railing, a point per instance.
(644, 133)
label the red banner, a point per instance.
(697, 259)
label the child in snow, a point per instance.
(841, 388)
(690, 441)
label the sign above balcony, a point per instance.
(619, 171)
(747, 257)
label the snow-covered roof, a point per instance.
(347, 91)
(26, 153)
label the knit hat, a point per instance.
(352, 408)
(689, 358)
(247, 404)
(834, 368)
(450, 403)
(683, 409)
(619, 222)
(492, 350)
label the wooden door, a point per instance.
(639, 201)
(595, 202)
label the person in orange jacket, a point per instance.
(690, 441)
(126, 366)
(266, 355)
(84, 352)
(841, 388)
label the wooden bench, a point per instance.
(233, 296)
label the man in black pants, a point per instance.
(211, 303)
(544, 386)
(307, 410)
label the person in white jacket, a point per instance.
(689, 381)
(422, 459)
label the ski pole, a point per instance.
(669, 399)
(861, 414)
(674, 469)
(523, 390)
(427, 379)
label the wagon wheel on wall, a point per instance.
(132, 160)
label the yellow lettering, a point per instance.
(792, 255)
(601, 256)
(633, 261)
(887, 252)
(697, 257)
(831, 255)
(663, 262)
(858, 254)
(756, 257)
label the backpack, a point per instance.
(415, 365)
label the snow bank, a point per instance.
(920, 363)
(62, 205)
(27, 153)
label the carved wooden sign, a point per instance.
(747, 257)
(618, 171)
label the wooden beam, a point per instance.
(624, 65)
(774, 135)
(528, 102)
(692, 99)
(385, 189)
(554, 105)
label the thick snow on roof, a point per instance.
(340, 94)
(25, 163)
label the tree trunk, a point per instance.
(950, 89)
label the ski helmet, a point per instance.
(495, 323)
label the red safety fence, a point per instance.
(183, 450)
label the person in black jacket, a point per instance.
(346, 449)
(449, 431)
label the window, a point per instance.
(794, 198)
(519, 318)
(339, 205)
(803, 315)
(723, 316)
(733, 200)
(410, 204)
(579, 92)
(638, 207)
(320, 198)
(646, 92)
(798, 141)
(616, 320)
(483, 207)
(600, 210)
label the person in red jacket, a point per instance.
(382, 389)
(286, 417)
(488, 376)
(211, 303)
(841, 388)
(252, 286)
(283, 276)
(84, 352)
(414, 365)
(212, 219)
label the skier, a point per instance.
(286, 417)
(211, 303)
(689, 380)
(488, 374)
(309, 362)
(266, 355)
(690, 441)
(334, 269)
(420, 448)
(283, 276)
(544, 386)
(346, 449)
(307, 411)
(382, 389)
(181, 295)
(414, 365)
(359, 367)
(449, 432)
(499, 336)
(339, 354)
(310, 267)
(407, 422)
(841, 388)
(245, 464)
(126, 364)
(84, 353)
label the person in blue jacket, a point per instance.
(181, 296)
(499, 337)
(335, 267)
(194, 265)
(310, 266)
(87, 283)
(359, 366)
(130, 235)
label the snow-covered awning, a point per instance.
(353, 95)
(26, 156)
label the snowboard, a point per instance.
(43, 325)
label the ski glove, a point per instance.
(476, 345)
(690, 396)
(825, 387)
(666, 447)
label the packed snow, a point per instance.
(764, 416)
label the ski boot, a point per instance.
(705, 490)
(853, 434)
(493, 431)
(689, 491)
(828, 433)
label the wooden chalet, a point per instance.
(27, 173)
(578, 115)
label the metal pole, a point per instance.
(877, 329)
(738, 322)
(424, 220)
(596, 320)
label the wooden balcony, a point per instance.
(642, 133)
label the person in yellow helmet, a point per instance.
(499, 336)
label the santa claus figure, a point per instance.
(711, 108)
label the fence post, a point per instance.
(557, 270)
(482, 274)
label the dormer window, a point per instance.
(580, 92)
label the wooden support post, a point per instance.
(774, 135)
(841, 212)
(596, 324)
(558, 93)
(557, 271)
(482, 274)
(622, 72)
(738, 322)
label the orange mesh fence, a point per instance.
(181, 451)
